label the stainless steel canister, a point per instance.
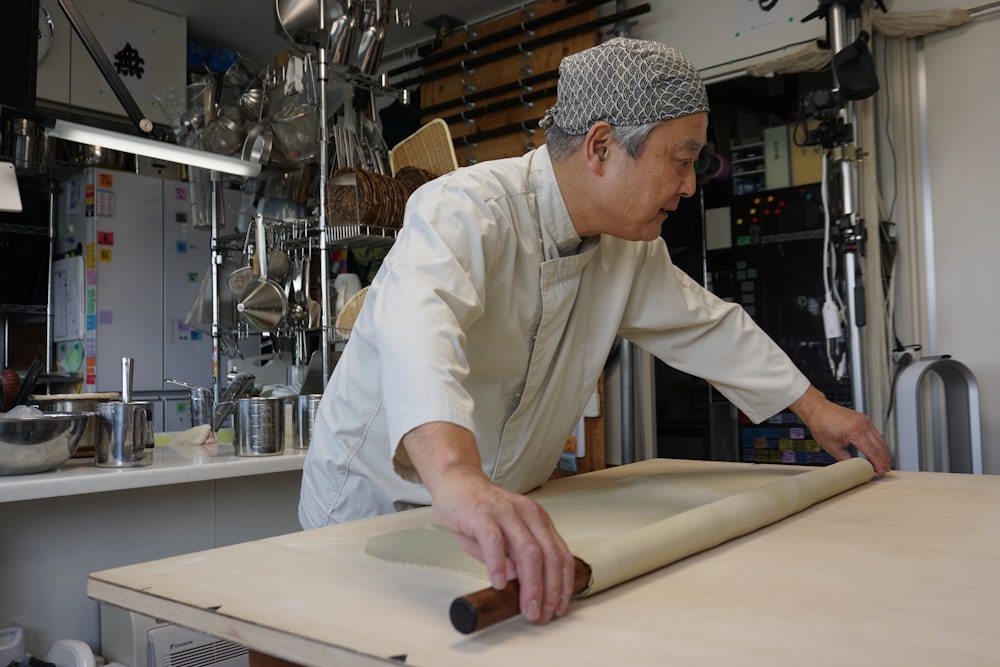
(21, 139)
(128, 434)
(202, 406)
(260, 426)
(202, 402)
(307, 411)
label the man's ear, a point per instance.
(599, 139)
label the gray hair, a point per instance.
(630, 137)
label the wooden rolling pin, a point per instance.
(489, 606)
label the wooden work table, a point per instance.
(900, 571)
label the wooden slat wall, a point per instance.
(511, 69)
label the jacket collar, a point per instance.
(559, 237)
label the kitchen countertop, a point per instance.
(171, 465)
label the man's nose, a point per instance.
(689, 183)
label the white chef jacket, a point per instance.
(490, 312)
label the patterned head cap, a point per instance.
(625, 82)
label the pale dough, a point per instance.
(623, 527)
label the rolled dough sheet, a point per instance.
(624, 527)
(617, 560)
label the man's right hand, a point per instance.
(510, 533)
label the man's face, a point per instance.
(642, 191)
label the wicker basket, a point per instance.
(429, 148)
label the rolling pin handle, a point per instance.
(490, 606)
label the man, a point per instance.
(488, 325)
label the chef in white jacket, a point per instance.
(486, 328)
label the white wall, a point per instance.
(942, 110)
(718, 34)
(963, 73)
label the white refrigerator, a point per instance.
(128, 265)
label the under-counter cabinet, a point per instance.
(57, 527)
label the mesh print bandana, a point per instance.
(625, 82)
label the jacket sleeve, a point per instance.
(431, 291)
(692, 330)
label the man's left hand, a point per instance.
(835, 427)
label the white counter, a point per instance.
(171, 465)
(58, 526)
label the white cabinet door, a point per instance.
(129, 277)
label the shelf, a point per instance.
(358, 235)
(25, 230)
(17, 309)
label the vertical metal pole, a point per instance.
(627, 350)
(838, 28)
(50, 327)
(626, 370)
(927, 203)
(936, 412)
(324, 260)
(216, 313)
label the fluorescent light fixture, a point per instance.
(10, 194)
(160, 150)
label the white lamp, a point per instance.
(10, 195)
(192, 157)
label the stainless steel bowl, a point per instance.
(37, 444)
(77, 403)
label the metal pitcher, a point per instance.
(127, 439)
(202, 402)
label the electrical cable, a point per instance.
(831, 315)
(879, 340)
(892, 343)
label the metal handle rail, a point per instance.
(964, 436)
